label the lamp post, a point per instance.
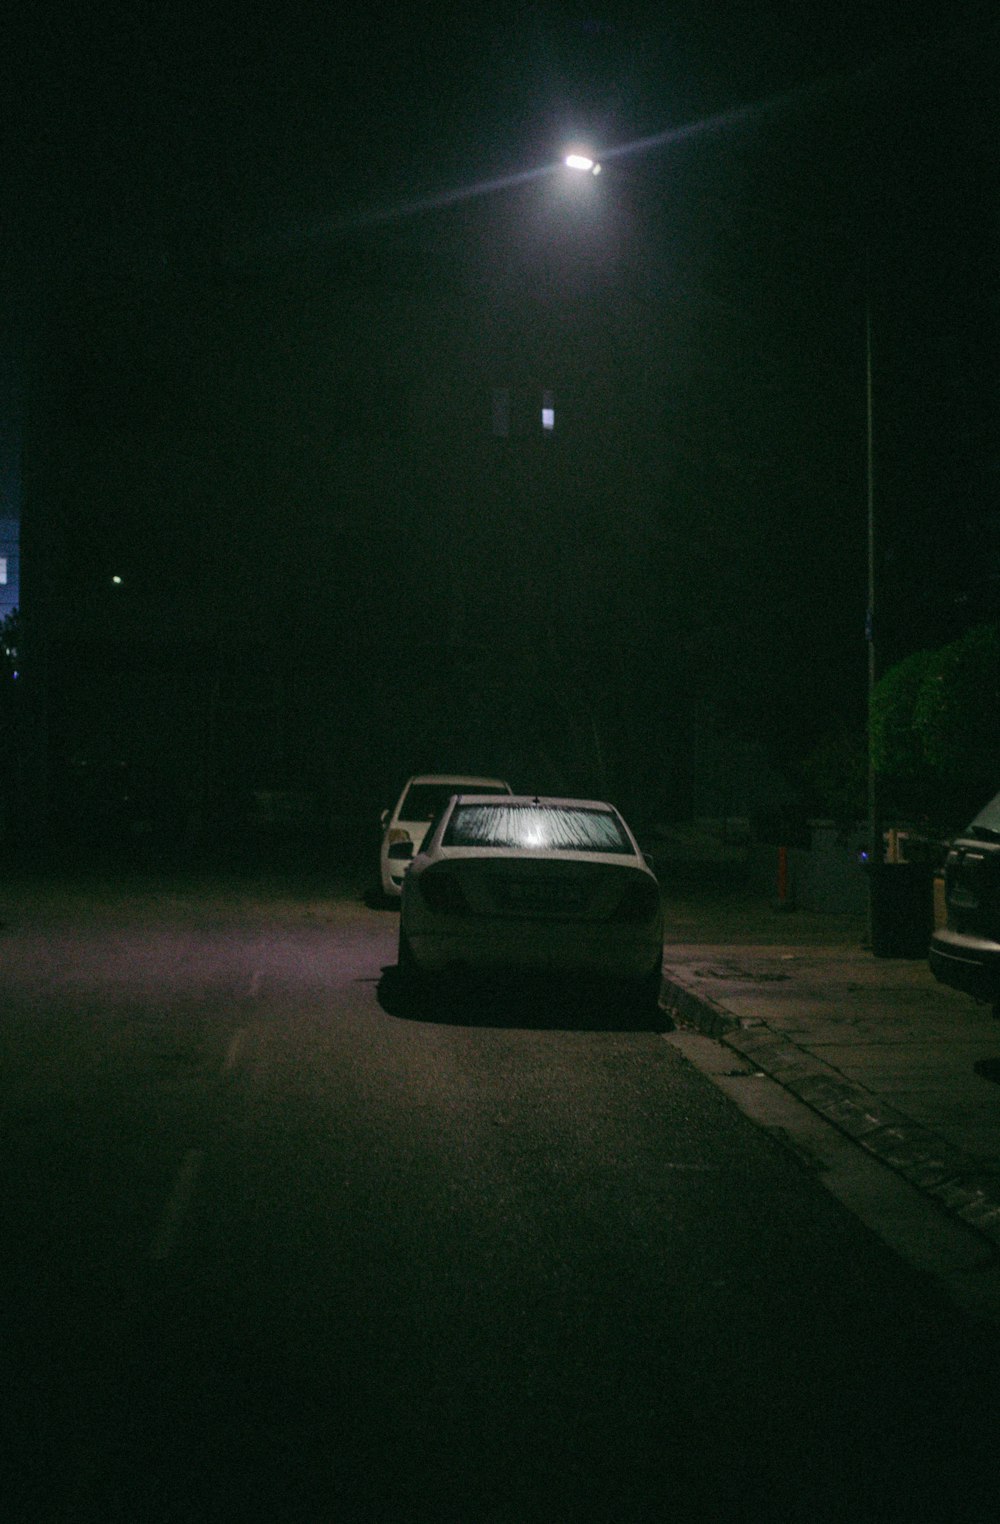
(880, 913)
(581, 162)
(874, 823)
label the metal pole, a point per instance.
(874, 822)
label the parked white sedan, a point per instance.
(405, 826)
(530, 885)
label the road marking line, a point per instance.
(177, 1204)
(233, 1051)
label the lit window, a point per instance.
(548, 411)
(3, 570)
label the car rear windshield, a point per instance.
(536, 828)
(424, 800)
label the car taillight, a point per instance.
(442, 892)
(640, 901)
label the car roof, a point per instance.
(542, 800)
(455, 778)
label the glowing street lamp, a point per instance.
(583, 163)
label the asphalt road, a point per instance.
(279, 1247)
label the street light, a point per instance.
(583, 163)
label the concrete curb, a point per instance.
(913, 1151)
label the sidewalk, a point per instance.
(907, 1069)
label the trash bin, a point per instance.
(901, 899)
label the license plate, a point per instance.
(557, 898)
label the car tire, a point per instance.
(643, 997)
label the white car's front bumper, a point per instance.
(393, 873)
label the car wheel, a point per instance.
(643, 996)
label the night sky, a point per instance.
(205, 207)
(148, 132)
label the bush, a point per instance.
(956, 717)
(896, 748)
(935, 728)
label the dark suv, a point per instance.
(966, 954)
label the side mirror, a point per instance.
(383, 818)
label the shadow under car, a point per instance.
(535, 1002)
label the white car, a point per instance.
(530, 885)
(404, 828)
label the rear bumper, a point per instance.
(969, 964)
(533, 947)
